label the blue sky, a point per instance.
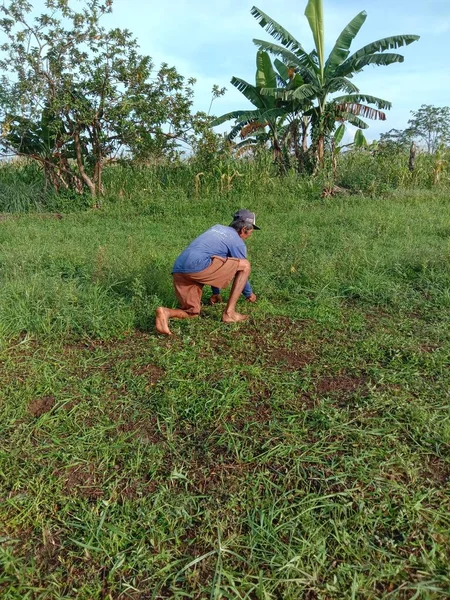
(211, 40)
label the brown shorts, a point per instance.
(189, 286)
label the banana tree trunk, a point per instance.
(321, 151)
(278, 158)
(305, 125)
(320, 144)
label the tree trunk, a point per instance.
(305, 135)
(412, 157)
(278, 155)
(98, 169)
(321, 150)
(84, 176)
(296, 144)
(334, 160)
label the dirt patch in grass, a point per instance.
(131, 489)
(210, 464)
(294, 360)
(341, 385)
(112, 358)
(278, 342)
(68, 406)
(40, 406)
(221, 475)
(128, 346)
(47, 553)
(152, 373)
(436, 471)
(82, 480)
(375, 315)
(147, 431)
(259, 412)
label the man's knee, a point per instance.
(244, 265)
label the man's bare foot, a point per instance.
(233, 317)
(162, 321)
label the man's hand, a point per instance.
(215, 299)
(252, 298)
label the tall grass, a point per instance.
(376, 172)
(143, 188)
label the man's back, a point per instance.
(219, 240)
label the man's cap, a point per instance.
(246, 216)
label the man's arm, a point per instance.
(247, 291)
(215, 298)
(240, 251)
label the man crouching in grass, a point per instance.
(214, 258)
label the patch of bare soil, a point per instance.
(57, 216)
(222, 474)
(279, 341)
(48, 552)
(68, 406)
(152, 373)
(40, 406)
(136, 594)
(16, 368)
(8, 217)
(340, 385)
(82, 480)
(212, 467)
(137, 488)
(110, 353)
(128, 346)
(45, 548)
(145, 430)
(437, 471)
(293, 360)
(393, 588)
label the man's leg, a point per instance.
(189, 296)
(229, 314)
(163, 315)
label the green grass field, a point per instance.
(303, 454)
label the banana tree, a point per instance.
(324, 77)
(270, 112)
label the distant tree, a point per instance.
(74, 94)
(430, 125)
(397, 138)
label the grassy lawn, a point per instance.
(303, 454)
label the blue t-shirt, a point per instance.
(219, 240)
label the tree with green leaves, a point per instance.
(75, 95)
(431, 126)
(323, 77)
(396, 139)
